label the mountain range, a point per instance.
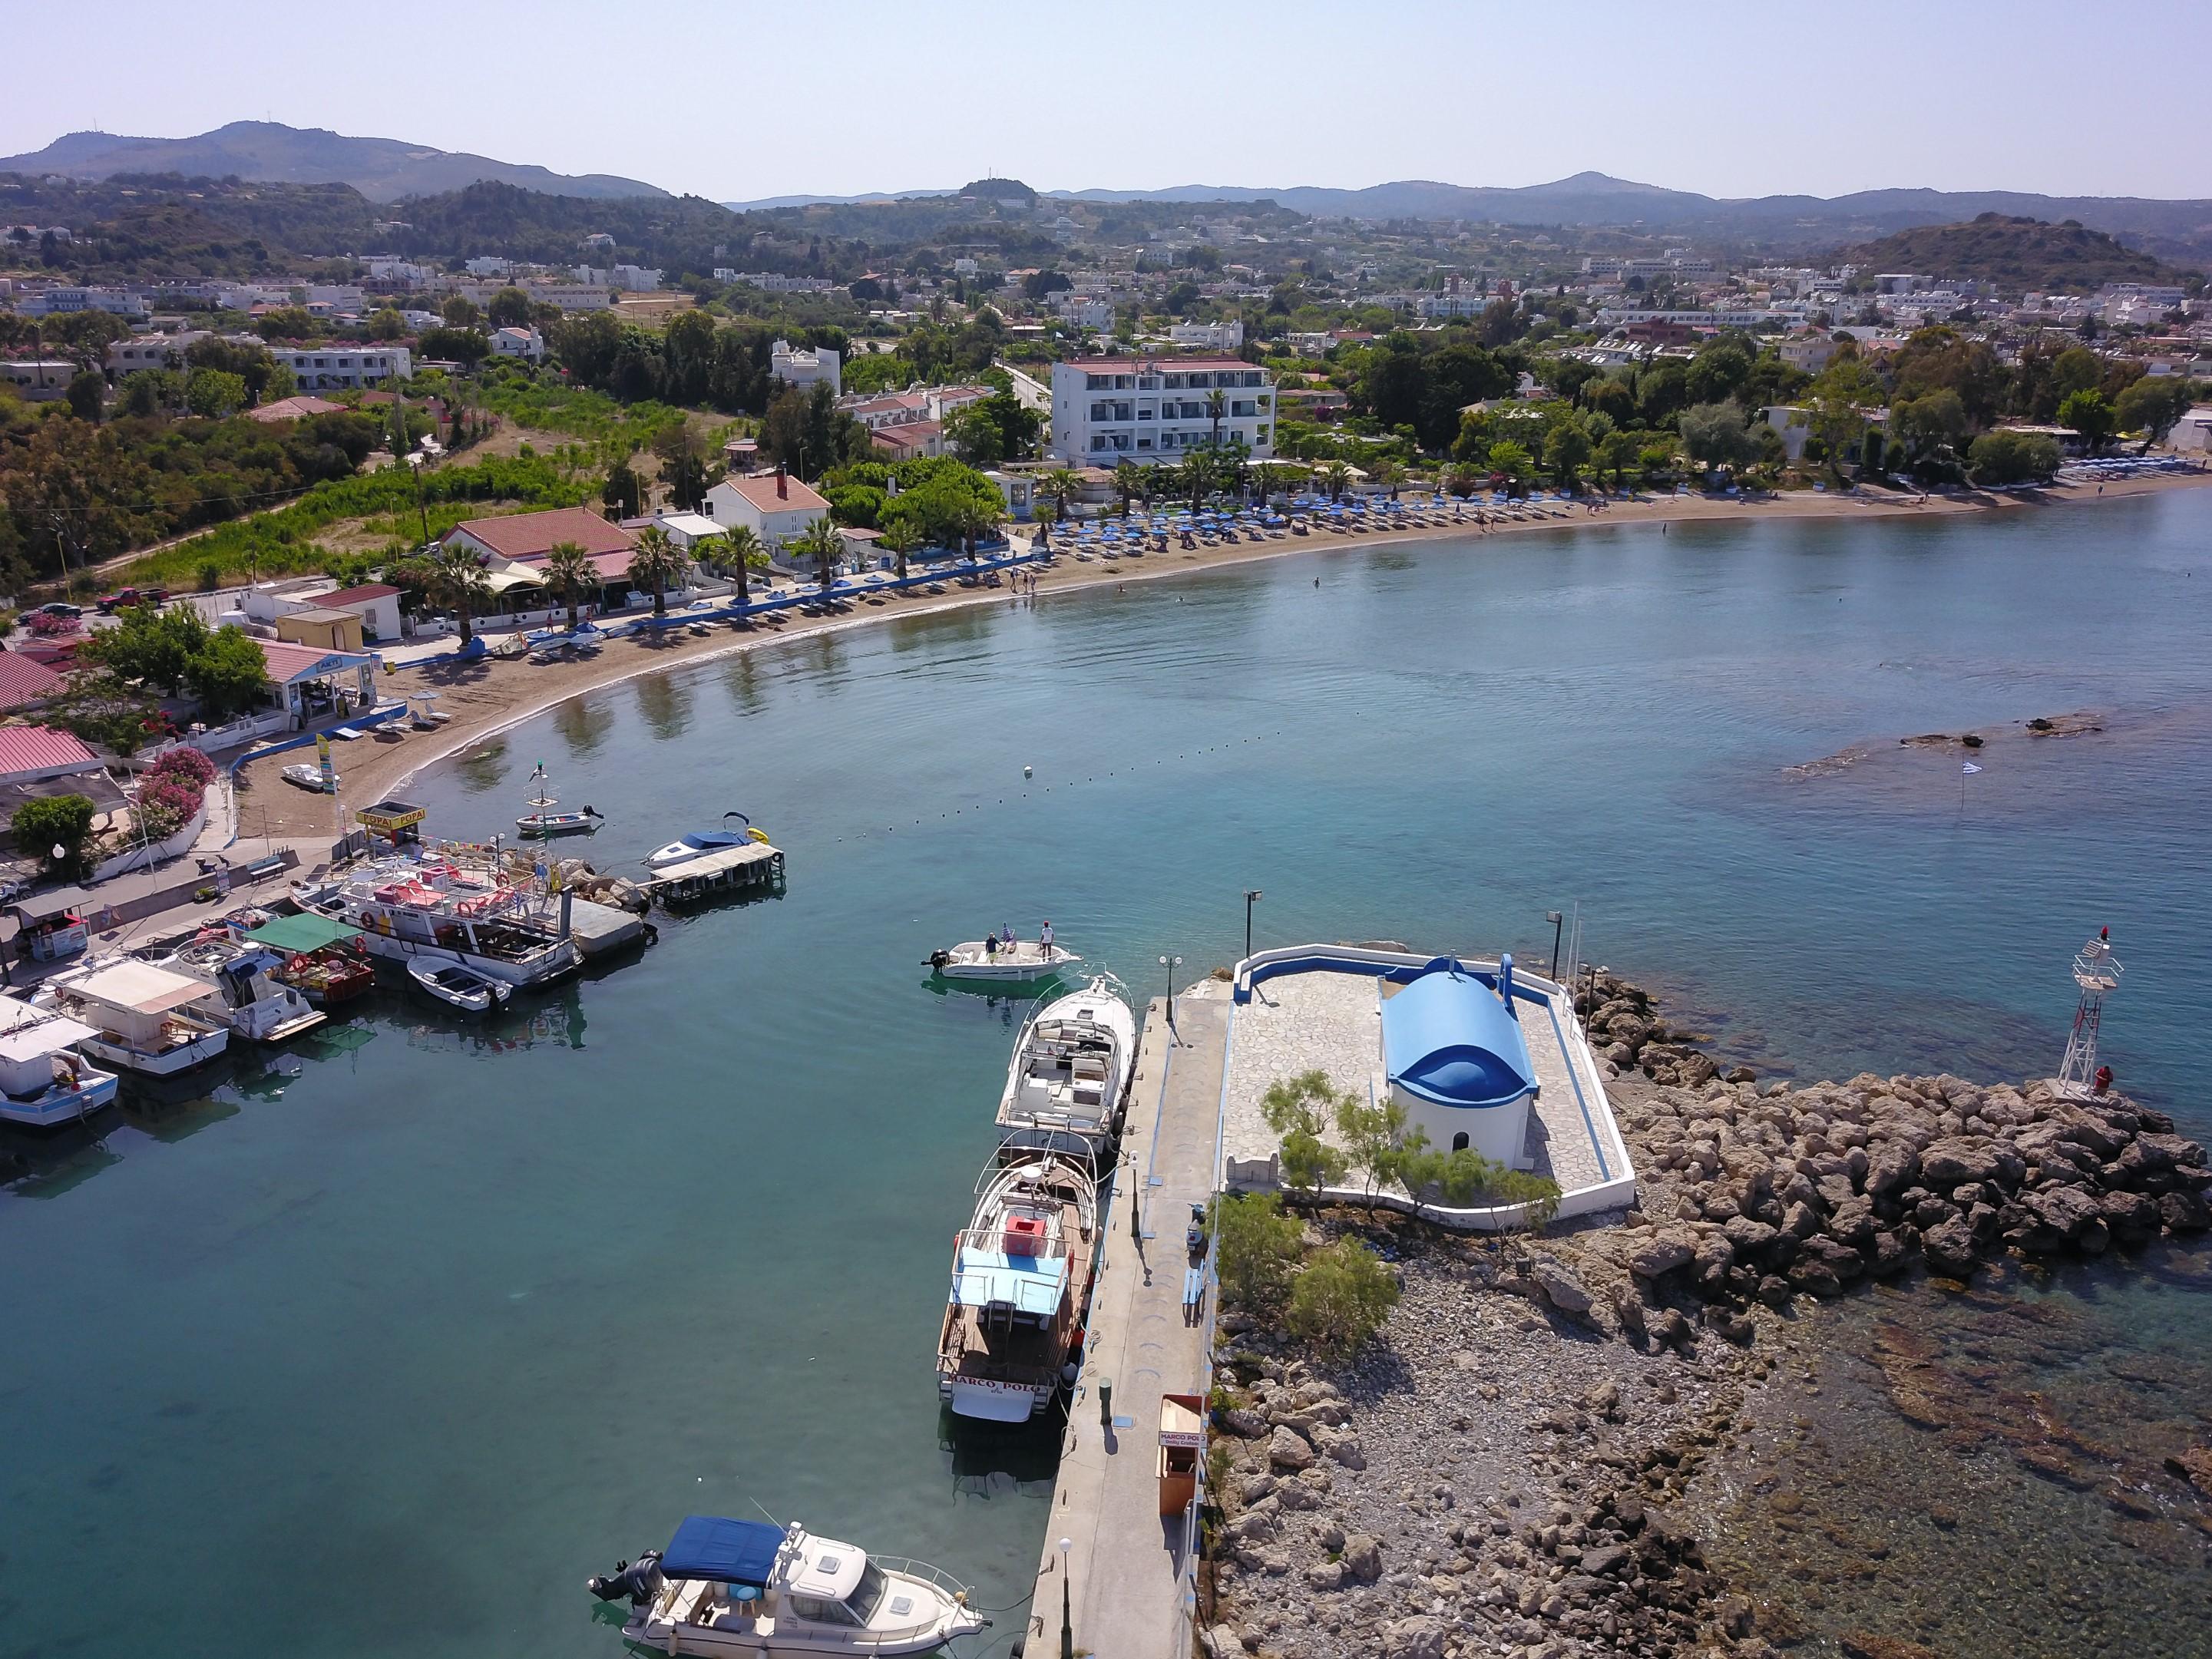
(382, 169)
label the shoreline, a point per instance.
(490, 697)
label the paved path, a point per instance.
(1126, 1564)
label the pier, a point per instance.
(1127, 1579)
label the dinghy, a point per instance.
(541, 820)
(460, 987)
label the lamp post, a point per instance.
(1558, 926)
(1252, 897)
(1171, 963)
(1067, 1622)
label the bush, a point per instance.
(63, 821)
(1256, 1248)
(186, 763)
(1342, 1297)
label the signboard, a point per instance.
(322, 754)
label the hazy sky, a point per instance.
(731, 99)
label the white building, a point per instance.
(389, 267)
(150, 351)
(775, 506)
(1107, 409)
(769, 282)
(803, 367)
(637, 279)
(1079, 311)
(1457, 1063)
(37, 379)
(345, 368)
(66, 301)
(2192, 433)
(526, 345)
(1207, 337)
(487, 264)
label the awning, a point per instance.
(987, 1277)
(139, 987)
(306, 932)
(728, 1552)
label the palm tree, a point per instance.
(902, 540)
(741, 548)
(569, 572)
(1198, 470)
(1060, 484)
(457, 578)
(1128, 480)
(1217, 405)
(821, 543)
(977, 521)
(658, 563)
(1337, 476)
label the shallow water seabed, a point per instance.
(1982, 1471)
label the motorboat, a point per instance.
(244, 991)
(700, 842)
(460, 987)
(1024, 962)
(406, 909)
(541, 820)
(42, 1084)
(750, 1587)
(142, 1016)
(323, 961)
(1021, 1276)
(1071, 1069)
(310, 777)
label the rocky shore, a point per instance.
(1502, 1471)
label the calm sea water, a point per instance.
(428, 1326)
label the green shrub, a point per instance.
(1342, 1297)
(63, 821)
(1257, 1250)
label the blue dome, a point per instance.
(1449, 1039)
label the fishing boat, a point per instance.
(749, 1587)
(700, 842)
(1024, 962)
(542, 821)
(1071, 1070)
(141, 1016)
(1021, 1275)
(310, 777)
(42, 1084)
(461, 987)
(404, 909)
(243, 990)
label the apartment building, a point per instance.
(345, 368)
(1105, 409)
(803, 367)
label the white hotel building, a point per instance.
(1106, 410)
(342, 367)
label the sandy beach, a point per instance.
(487, 695)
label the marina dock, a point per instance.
(1129, 1570)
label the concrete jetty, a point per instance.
(1128, 1572)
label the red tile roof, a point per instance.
(359, 595)
(23, 681)
(909, 434)
(1165, 364)
(41, 749)
(288, 661)
(518, 535)
(759, 490)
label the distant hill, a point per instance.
(2015, 253)
(381, 169)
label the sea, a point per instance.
(384, 1343)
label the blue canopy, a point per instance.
(728, 1552)
(1448, 1039)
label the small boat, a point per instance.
(245, 989)
(1024, 962)
(1069, 1070)
(42, 1084)
(699, 842)
(139, 1016)
(749, 1587)
(329, 976)
(460, 987)
(543, 821)
(1021, 1275)
(310, 777)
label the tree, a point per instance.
(149, 391)
(622, 494)
(155, 647)
(1715, 435)
(87, 393)
(2077, 369)
(1336, 478)
(1719, 370)
(743, 552)
(2151, 406)
(287, 323)
(1060, 485)
(1512, 462)
(901, 540)
(457, 579)
(1371, 1136)
(994, 429)
(657, 564)
(1128, 483)
(229, 675)
(2088, 414)
(1925, 428)
(2005, 457)
(1616, 453)
(466, 346)
(251, 363)
(1298, 1109)
(509, 308)
(1566, 451)
(570, 573)
(214, 394)
(41, 824)
(1217, 406)
(821, 543)
(1837, 403)
(1256, 1248)
(1341, 1298)
(460, 312)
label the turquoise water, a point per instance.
(439, 1323)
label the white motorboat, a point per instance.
(141, 1016)
(1021, 1275)
(1024, 962)
(310, 777)
(407, 909)
(460, 987)
(541, 820)
(1071, 1070)
(42, 1084)
(243, 990)
(700, 842)
(748, 1587)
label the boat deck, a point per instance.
(727, 869)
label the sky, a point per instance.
(733, 99)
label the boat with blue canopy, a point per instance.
(751, 1587)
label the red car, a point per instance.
(122, 597)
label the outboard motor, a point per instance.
(939, 959)
(640, 1581)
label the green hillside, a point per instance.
(2018, 255)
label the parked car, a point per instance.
(59, 608)
(124, 597)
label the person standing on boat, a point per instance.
(1044, 941)
(991, 947)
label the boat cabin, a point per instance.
(134, 1006)
(1064, 1070)
(41, 1082)
(751, 1579)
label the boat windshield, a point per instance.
(868, 1594)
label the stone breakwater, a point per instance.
(1501, 1472)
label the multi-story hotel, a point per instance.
(1106, 410)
